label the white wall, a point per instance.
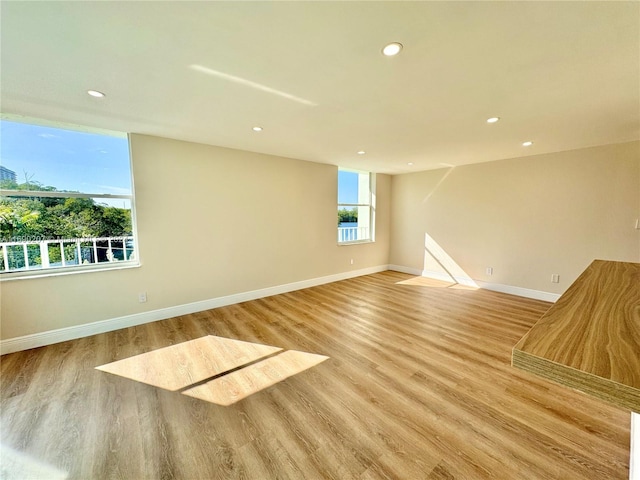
(212, 222)
(526, 218)
(215, 222)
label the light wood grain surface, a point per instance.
(590, 339)
(418, 386)
(235, 386)
(179, 366)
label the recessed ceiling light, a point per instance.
(95, 93)
(410, 163)
(392, 49)
(361, 152)
(493, 119)
(527, 144)
(257, 129)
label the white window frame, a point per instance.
(63, 270)
(365, 230)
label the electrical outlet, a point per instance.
(352, 261)
(555, 278)
(142, 297)
(489, 271)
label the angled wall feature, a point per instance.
(525, 219)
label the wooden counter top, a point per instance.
(590, 338)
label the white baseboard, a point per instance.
(520, 292)
(50, 337)
(496, 287)
(407, 270)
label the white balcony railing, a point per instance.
(42, 254)
(352, 234)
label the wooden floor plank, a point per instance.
(417, 385)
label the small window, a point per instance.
(67, 199)
(356, 208)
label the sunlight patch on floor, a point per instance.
(16, 465)
(228, 389)
(434, 283)
(215, 369)
(179, 366)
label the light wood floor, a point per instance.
(418, 386)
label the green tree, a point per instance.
(58, 217)
(349, 216)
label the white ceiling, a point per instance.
(565, 75)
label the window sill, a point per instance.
(59, 272)
(355, 242)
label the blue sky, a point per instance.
(66, 159)
(347, 187)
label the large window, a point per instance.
(356, 206)
(66, 199)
